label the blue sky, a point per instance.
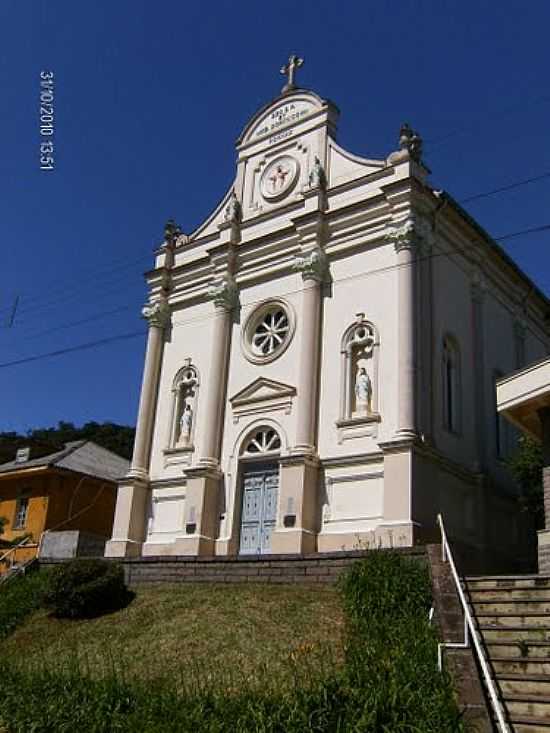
(149, 99)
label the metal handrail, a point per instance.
(14, 548)
(469, 630)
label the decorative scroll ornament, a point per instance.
(224, 293)
(233, 210)
(411, 141)
(158, 313)
(317, 176)
(171, 232)
(313, 265)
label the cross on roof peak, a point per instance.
(294, 63)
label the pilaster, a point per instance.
(201, 512)
(406, 236)
(544, 535)
(298, 519)
(313, 265)
(133, 491)
(478, 290)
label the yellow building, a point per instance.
(71, 489)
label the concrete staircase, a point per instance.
(513, 617)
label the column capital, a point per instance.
(224, 292)
(313, 265)
(157, 313)
(478, 285)
(411, 234)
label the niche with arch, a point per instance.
(185, 393)
(359, 396)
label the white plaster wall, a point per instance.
(358, 287)
(189, 337)
(452, 313)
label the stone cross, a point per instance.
(294, 63)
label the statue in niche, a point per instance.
(363, 391)
(186, 423)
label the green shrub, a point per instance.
(84, 588)
(19, 597)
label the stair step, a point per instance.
(507, 665)
(536, 651)
(529, 724)
(512, 634)
(508, 593)
(511, 606)
(534, 706)
(509, 619)
(524, 684)
(502, 581)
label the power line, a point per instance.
(71, 349)
(534, 230)
(72, 324)
(71, 296)
(511, 186)
(472, 126)
(176, 324)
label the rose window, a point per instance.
(270, 332)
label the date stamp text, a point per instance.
(47, 120)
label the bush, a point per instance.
(19, 597)
(85, 588)
(391, 649)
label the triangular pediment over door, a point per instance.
(262, 396)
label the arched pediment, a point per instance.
(282, 112)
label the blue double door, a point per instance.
(259, 508)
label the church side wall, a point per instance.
(452, 316)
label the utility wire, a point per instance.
(114, 311)
(75, 291)
(473, 126)
(511, 186)
(122, 278)
(178, 324)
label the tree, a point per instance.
(526, 467)
(118, 438)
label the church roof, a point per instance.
(80, 456)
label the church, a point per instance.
(321, 358)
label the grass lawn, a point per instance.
(194, 634)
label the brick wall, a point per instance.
(316, 568)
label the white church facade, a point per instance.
(321, 358)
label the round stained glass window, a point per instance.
(270, 332)
(267, 332)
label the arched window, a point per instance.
(359, 380)
(185, 391)
(451, 385)
(262, 441)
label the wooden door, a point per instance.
(259, 509)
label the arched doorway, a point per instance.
(260, 490)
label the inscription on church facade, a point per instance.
(286, 114)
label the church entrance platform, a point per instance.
(323, 567)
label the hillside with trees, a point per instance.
(117, 438)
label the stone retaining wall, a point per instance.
(314, 568)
